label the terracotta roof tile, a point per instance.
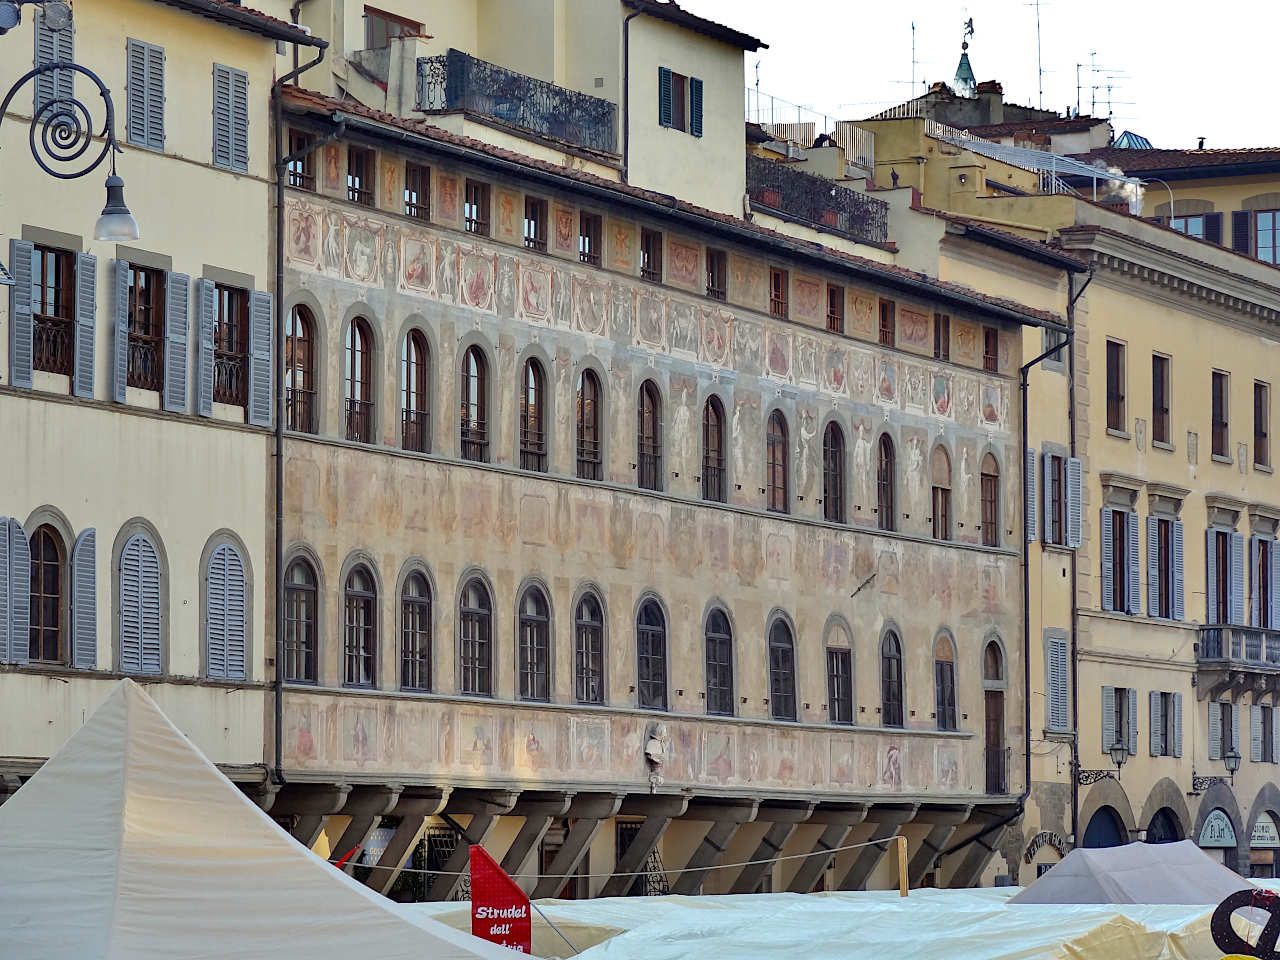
(249, 19)
(672, 12)
(1138, 160)
(1013, 127)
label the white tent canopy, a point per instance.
(130, 845)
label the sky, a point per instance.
(1178, 70)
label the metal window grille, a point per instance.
(835, 308)
(53, 310)
(888, 326)
(778, 292)
(300, 395)
(231, 345)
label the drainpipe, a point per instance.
(1075, 592)
(281, 170)
(626, 96)
(294, 13)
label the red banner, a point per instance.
(500, 911)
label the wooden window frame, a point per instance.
(777, 464)
(415, 633)
(473, 402)
(533, 417)
(48, 601)
(718, 645)
(302, 170)
(1119, 520)
(1117, 414)
(590, 233)
(590, 443)
(991, 349)
(1261, 424)
(1220, 414)
(779, 293)
(713, 451)
(840, 685)
(942, 337)
(944, 686)
(651, 657)
(1164, 568)
(649, 437)
(360, 631)
(358, 379)
(301, 653)
(299, 373)
(417, 190)
(588, 669)
(650, 255)
(146, 350)
(888, 324)
(1273, 230)
(535, 223)
(892, 707)
(783, 699)
(886, 477)
(1056, 531)
(475, 640)
(415, 392)
(835, 308)
(534, 666)
(477, 209)
(362, 164)
(717, 274)
(833, 473)
(1262, 584)
(989, 491)
(1160, 383)
(1222, 575)
(231, 345)
(409, 28)
(53, 310)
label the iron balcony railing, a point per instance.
(458, 81)
(359, 420)
(998, 770)
(824, 203)
(52, 345)
(228, 378)
(414, 427)
(1232, 645)
(146, 362)
(300, 409)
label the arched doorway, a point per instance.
(993, 684)
(1105, 829)
(1263, 843)
(1164, 827)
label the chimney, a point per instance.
(991, 95)
(1201, 146)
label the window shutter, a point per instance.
(120, 332)
(1179, 606)
(54, 46)
(136, 87)
(1133, 593)
(237, 625)
(177, 296)
(1153, 566)
(1157, 728)
(206, 310)
(222, 150)
(1108, 718)
(19, 593)
(1029, 508)
(1237, 579)
(1234, 734)
(1132, 699)
(695, 106)
(86, 310)
(1058, 681)
(84, 601)
(1046, 472)
(1108, 566)
(1075, 516)
(1242, 232)
(21, 323)
(155, 97)
(239, 121)
(1255, 734)
(664, 97)
(139, 607)
(1254, 599)
(1177, 724)
(260, 327)
(1274, 599)
(6, 601)
(1213, 228)
(146, 94)
(1215, 730)
(215, 621)
(1275, 732)
(1210, 576)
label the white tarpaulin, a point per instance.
(129, 845)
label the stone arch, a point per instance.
(1107, 792)
(546, 365)
(1165, 793)
(1267, 800)
(414, 565)
(1184, 208)
(535, 581)
(590, 363)
(301, 550)
(1261, 201)
(1220, 795)
(319, 352)
(583, 589)
(377, 363)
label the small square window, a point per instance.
(941, 337)
(888, 324)
(990, 349)
(417, 191)
(835, 308)
(475, 208)
(589, 234)
(778, 287)
(360, 167)
(302, 173)
(650, 255)
(535, 223)
(717, 273)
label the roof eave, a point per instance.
(250, 21)
(691, 21)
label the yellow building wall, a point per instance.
(1260, 192)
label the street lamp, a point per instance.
(116, 222)
(1232, 760)
(1119, 755)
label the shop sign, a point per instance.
(1265, 835)
(1045, 839)
(499, 908)
(1217, 831)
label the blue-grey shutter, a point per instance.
(1075, 518)
(1275, 733)
(261, 321)
(664, 97)
(1234, 739)
(1046, 471)
(1108, 718)
(1254, 598)
(136, 92)
(1176, 578)
(139, 607)
(1255, 734)
(206, 311)
(155, 97)
(1237, 587)
(84, 601)
(54, 46)
(19, 593)
(6, 601)
(1132, 700)
(21, 321)
(1157, 724)
(1215, 730)
(215, 619)
(221, 116)
(120, 332)
(1058, 683)
(1153, 567)
(146, 95)
(1274, 598)
(695, 106)
(1177, 724)
(177, 296)
(240, 121)
(1133, 592)
(1108, 563)
(1029, 514)
(86, 314)
(1211, 576)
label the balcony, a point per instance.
(458, 82)
(791, 194)
(1226, 646)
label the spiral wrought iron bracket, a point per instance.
(62, 129)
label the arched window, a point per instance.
(885, 515)
(651, 656)
(226, 614)
(475, 639)
(140, 608)
(782, 672)
(941, 470)
(415, 633)
(360, 629)
(839, 675)
(776, 462)
(713, 486)
(535, 646)
(990, 501)
(415, 406)
(833, 473)
(359, 379)
(299, 371)
(649, 438)
(474, 393)
(944, 683)
(48, 559)
(891, 681)
(588, 642)
(300, 623)
(590, 449)
(719, 665)
(993, 664)
(533, 427)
